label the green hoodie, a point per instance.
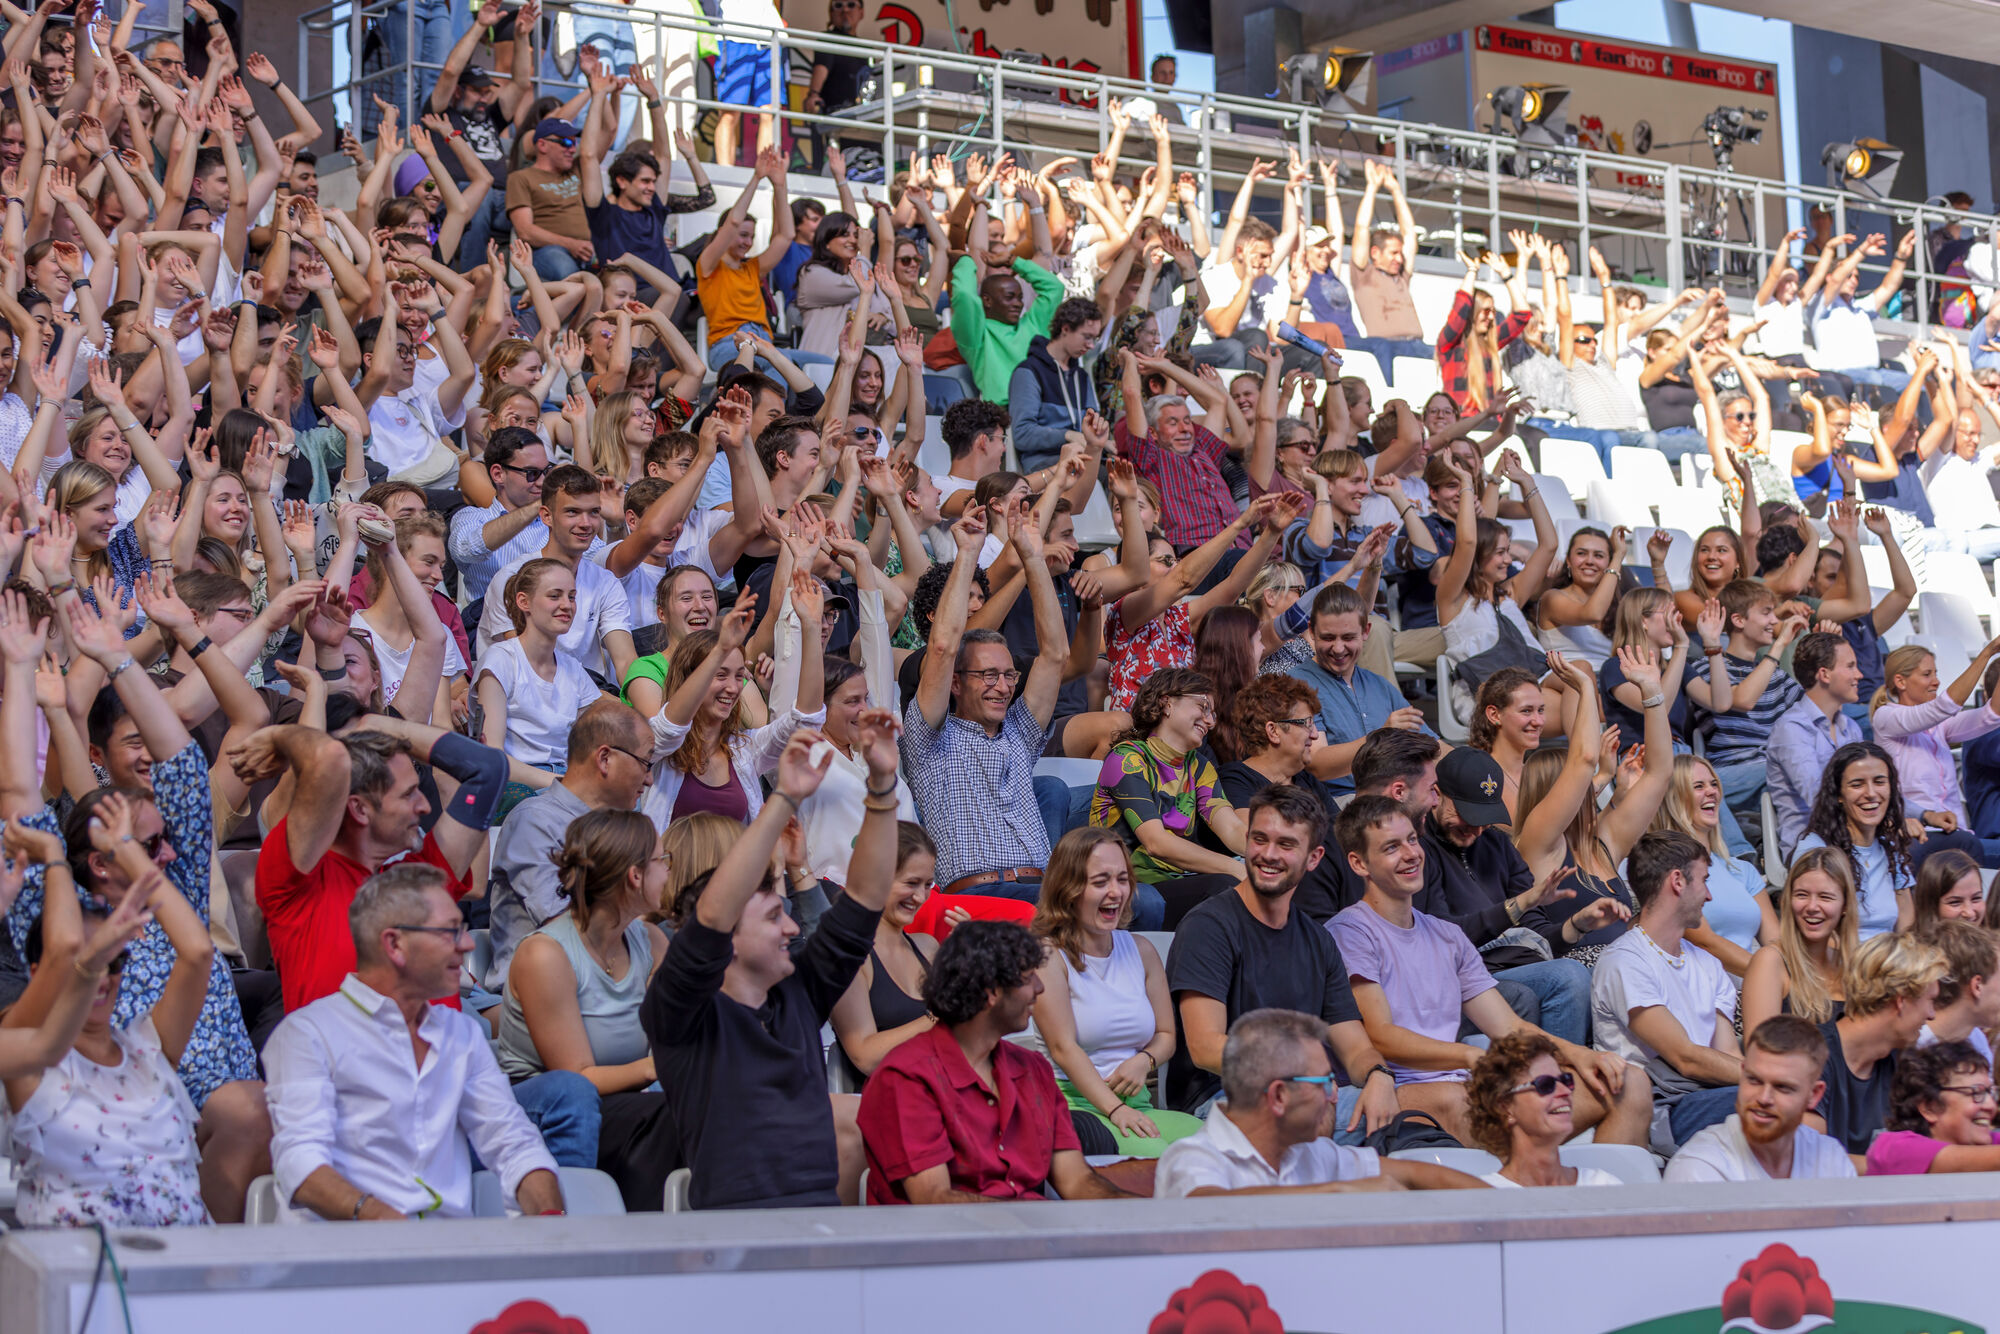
(992, 350)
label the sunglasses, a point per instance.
(1544, 1085)
(1741, 416)
(560, 140)
(532, 476)
(1581, 339)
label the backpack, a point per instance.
(1410, 1130)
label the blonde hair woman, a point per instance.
(1818, 931)
(1649, 618)
(1918, 724)
(1271, 594)
(620, 430)
(1739, 916)
(693, 846)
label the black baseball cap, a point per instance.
(1473, 781)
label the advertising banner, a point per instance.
(1093, 36)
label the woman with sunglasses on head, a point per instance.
(1520, 1104)
(105, 1131)
(1941, 1109)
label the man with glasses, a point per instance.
(1417, 980)
(608, 770)
(1273, 1135)
(972, 769)
(362, 1131)
(510, 529)
(545, 203)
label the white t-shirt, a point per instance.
(394, 666)
(1975, 1039)
(1720, 1153)
(1632, 974)
(691, 547)
(1961, 499)
(1585, 1176)
(1220, 282)
(1784, 331)
(1844, 333)
(601, 607)
(1220, 1156)
(539, 713)
(403, 428)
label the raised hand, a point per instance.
(22, 638)
(1641, 665)
(798, 777)
(733, 631)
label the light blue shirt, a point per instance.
(1350, 710)
(1878, 888)
(1733, 911)
(1801, 746)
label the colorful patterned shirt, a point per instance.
(1136, 787)
(1165, 641)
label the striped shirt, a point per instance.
(1603, 403)
(1740, 736)
(1195, 503)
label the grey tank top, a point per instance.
(610, 1008)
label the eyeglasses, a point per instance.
(1978, 1092)
(1323, 1082)
(532, 476)
(1581, 339)
(992, 676)
(637, 759)
(1303, 720)
(1203, 706)
(240, 613)
(458, 932)
(1543, 1085)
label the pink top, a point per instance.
(1905, 1153)
(1919, 738)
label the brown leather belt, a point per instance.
(1012, 875)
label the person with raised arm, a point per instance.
(728, 279)
(734, 1015)
(1843, 323)
(1379, 273)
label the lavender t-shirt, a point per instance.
(1905, 1153)
(1427, 972)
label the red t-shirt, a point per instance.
(305, 913)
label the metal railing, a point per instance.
(1672, 224)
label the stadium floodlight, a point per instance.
(1864, 166)
(1535, 113)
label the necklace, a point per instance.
(1673, 960)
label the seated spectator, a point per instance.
(101, 1127)
(1666, 1004)
(1981, 760)
(404, 630)
(359, 1131)
(1103, 1017)
(1343, 543)
(729, 278)
(1940, 1114)
(1241, 950)
(1892, 985)
(1271, 1136)
(1859, 811)
(605, 768)
(1843, 327)
(1415, 978)
(1478, 590)
(1469, 346)
(1353, 700)
(1049, 393)
(1737, 724)
(568, 1032)
(1805, 736)
(1950, 889)
(1576, 614)
(1277, 725)
(1968, 1003)
(1560, 831)
(993, 321)
(928, 1141)
(1765, 1138)
(969, 740)
(600, 631)
(355, 805)
(1799, 973)
(734, 1016)
(1159, 791)
(1520, 1108)
(832, 814)
(1739, 916)
(684, 601)
(884, 1005)
(1508, 717)
(530, 691)
(705, 758)
(1179, 455)
(1239, 282)
(1918, 724)
(1379, 273)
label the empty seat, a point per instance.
(1555, 496)
(1096, 528)
(1615, 503)
(1416, 380)
(1647, 468)
(1575, 462)
(586, 1192)
(1698, 470)
(1951, 616)
(1680, 555)
(1630, 1163)
(1689, 509)
(1955, 572)
(1472, 1162)
(1077, 773)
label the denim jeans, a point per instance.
(1888, 378)
(1224, 354)
(434, 23)
(488, 222)
(1563, 988)
(723, 351)
(564, 1107)
(1052, 798)
(554, 263)
(1386, 350)
(1983, 544)
(1697, 1111)
(1602, 441)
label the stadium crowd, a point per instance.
(455, 719)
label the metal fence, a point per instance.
(1673, 225)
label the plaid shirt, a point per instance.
(1321, 563)
(1195, 503)
(219, 1049)
(1451, 351)
(977, 792)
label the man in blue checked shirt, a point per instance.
(1353, 701)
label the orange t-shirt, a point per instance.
(731, 298)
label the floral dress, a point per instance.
(111, 1144)
(1136, 786)
(1165, 641)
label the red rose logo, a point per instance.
(1217, 1303)
(1779, 1292)
(531, 1317)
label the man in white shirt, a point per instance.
(1843, 327)
(484, 539)
(1962, 501)
(378, 1097)
(601, 635)
(1271, 1135)
(1764, 1140)
(408, 422)
(1663, 1003)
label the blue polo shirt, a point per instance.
(1349, 710)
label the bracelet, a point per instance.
(85, 974)
(157, 561)
(201, 646)
(653, 103)
(333, 673)
(1514, 910)
(355, 1217)
(1151, 1059)
(79, 284)
(1653, 701)
(113, 674)
(133, 425)
(884, 809)
(57, 590)
(785, 797)
(890, 791)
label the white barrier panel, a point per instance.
(1894, 1256)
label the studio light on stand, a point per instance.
(1535, 114)
(1332, 80)
(1865, 166)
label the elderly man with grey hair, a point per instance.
(378, 1097)
(1271, 1135)
(1178, 454)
